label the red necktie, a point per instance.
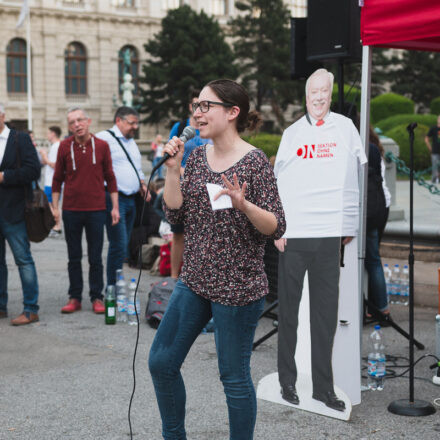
(320, 122)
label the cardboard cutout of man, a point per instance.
(317, 172)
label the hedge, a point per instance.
(393, 121)
(267, 142)
(422, 156)
(435, 106)
(390, 104)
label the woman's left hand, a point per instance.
(234, 192)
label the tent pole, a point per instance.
(363, 176)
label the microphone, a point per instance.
(187, 134)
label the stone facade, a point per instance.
(102, 27)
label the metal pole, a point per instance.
(363, 176)
(411, 264)
(341, 86)
(29, 68)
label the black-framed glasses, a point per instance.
(205, 105)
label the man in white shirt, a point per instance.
(53, 136)
(317, 174)
(130, 179)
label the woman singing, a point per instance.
(223, 275)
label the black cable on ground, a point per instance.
(136, 311)
(391, 374)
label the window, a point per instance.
(171, 4)
(16, 66)
(75, 69)
(219, 7)
(124, 3)
(134, 67)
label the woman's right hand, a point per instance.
(280, 244)
(175, 148)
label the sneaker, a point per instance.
(73, 305)
(98, 307)
(54, 233)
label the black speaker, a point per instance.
(333, 30)
(299, 66)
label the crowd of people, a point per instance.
(224, 200)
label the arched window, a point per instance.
(16, 66)
(75, 69)
(134, 67)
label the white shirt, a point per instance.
(126, 177)
(3, 141)
(48, 170)
(386, 191)
(317, 175)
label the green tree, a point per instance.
(262, 48)
(189, 51)
(416, 76)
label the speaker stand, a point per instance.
(341, 86)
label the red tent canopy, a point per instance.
(402, 24)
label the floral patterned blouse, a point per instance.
(223, 253)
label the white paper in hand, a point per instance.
(223, 202)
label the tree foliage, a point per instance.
(416, 76)
(262, 50)
(189, 51)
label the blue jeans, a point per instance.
(93, 223)
(377, 290)
(159, 172)
(16, 235)
(119, 234)
(186, 315)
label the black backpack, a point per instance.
(158, 300)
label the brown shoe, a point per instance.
(3, 314)
(25, 318)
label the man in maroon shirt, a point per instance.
(83, 164)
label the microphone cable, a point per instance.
(135, 307)
(187, 134)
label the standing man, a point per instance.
(192, 144)
(434, 148)
(317, 173)
(19, 167)
(130, 179)
(83, 164)
(53, 136)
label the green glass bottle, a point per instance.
(110, 305)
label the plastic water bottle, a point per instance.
(121, 300)
(376, 360)
(131, 311)
(395, 285)
(404, 286)
(388, 274)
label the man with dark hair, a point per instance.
(53, 136)
(126, 159)
(84, 163)
(19, 167)
(192, 144)
(434, 149)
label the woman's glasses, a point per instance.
(205, 105)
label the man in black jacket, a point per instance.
(17, 172)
